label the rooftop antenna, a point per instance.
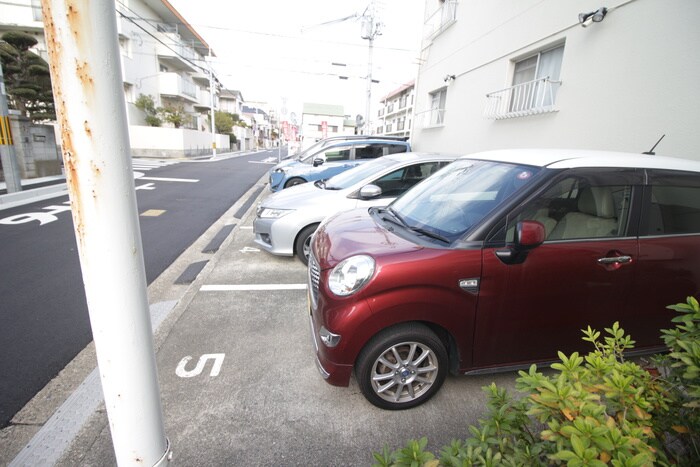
(651, 152)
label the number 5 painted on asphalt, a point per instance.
(218, 359)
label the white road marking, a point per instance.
(218, 359)
(250, 287)
(263, 162)
(160, 179)
(248, 249)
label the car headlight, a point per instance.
(279, 170)
(271, 213)
(351, 275)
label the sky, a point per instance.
(277, 51)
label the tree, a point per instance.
(27, 77)
(173, 114)
(223, 122)
(147, 105)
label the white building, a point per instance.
(395, 114)
(162, 56)
(320, 121)
(548, 73)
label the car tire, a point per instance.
(294, 181)
(402, 367)
(302, 245)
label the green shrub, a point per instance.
(595, 410)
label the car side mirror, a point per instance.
(528, 235)
(370, 192)
(318, 161)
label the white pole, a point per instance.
(81, 38)
(211, 97)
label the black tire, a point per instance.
(393, 385)
(302, 245)
(294, 181)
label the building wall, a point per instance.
(311, 126)
(625, 81)
(172, 142)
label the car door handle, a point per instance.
(615, 259)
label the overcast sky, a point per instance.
(272, 50)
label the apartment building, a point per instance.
(163, 57)
(395, 114)
(320, 121)
(616, 74)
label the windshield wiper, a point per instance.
(430, 234)
(320, 184)
(397, 220)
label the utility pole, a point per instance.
(84, 57)
(10, 167)
(211, 96)
(370, 30)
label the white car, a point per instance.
(285, 221)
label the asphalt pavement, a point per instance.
(264, 403)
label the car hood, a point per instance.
(303, 196)
(286, 164)
(353, 233)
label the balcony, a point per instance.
(175, 54)
(531, 98)
(440, 19)
(172, 84)
(431, 118)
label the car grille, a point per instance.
(314, 279)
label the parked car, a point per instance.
(314, 147)
(286, 220)
(332, 160)
(498, 261)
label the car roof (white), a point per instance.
(577, 158)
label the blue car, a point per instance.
(332, 160)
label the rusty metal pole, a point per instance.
(81, 37)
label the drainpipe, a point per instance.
(211, 95)
(81, 37)
(8, 158)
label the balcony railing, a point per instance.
(531, 98)
(433, 117)
(440, 19)
(174, 85)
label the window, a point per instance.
(437, 106)
(578, 208)
(36, 10)
(397, 182)
(370, 151)
(125, 46)
(535, 80)
(334, 155)
(674, 210)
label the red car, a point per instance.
(499, 260)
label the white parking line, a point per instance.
(250, 287)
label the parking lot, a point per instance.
(257, 398)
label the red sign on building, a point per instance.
(324, 129)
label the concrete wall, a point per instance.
(173, 142)
(625, 81)
(35, 148)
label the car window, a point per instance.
(369, 151)
(578, 208)
(674, 210)
(461, 196)
(399, 181)
(396, 148)
(334, 155)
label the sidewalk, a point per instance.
(267, 405)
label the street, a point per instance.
(45, 321)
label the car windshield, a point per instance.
(357, 174)
(460, 197)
